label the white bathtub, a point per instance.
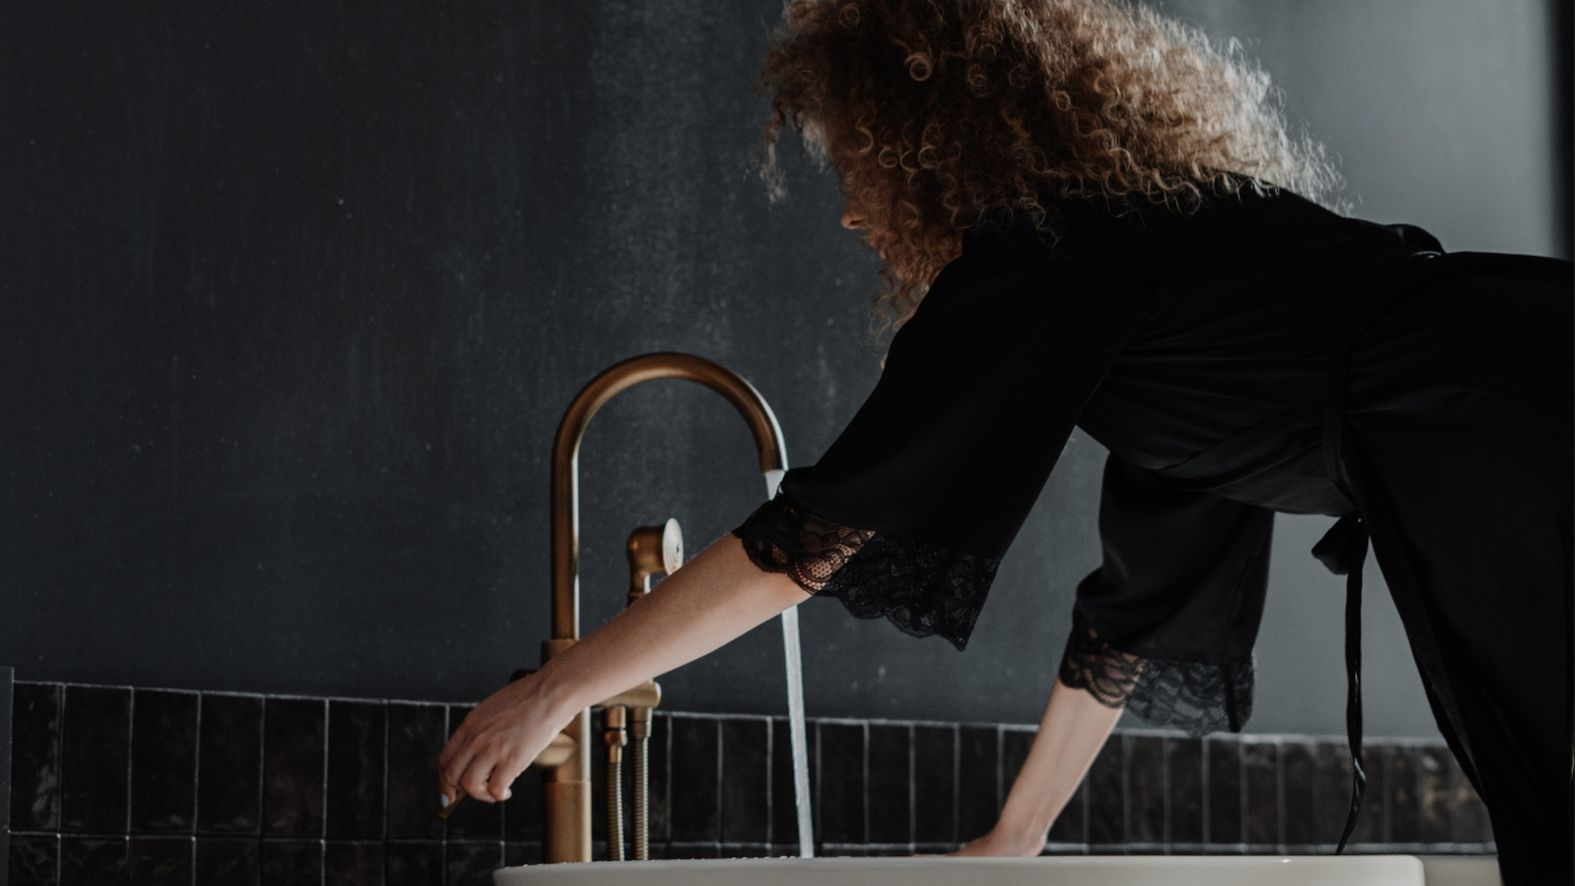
(1085, 870)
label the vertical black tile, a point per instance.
(1184, 772)
(292, 862)
(416, 734)
(35, 755)
(95, 760)
(412, 864)
(162, 860)
(696, 790)
(746, 779)
(224, 861)
(1433, 793)
(1071, 824)
(484, 820)
(890, 785)
(1300, 766)
(355, 769)
(1400, 772)
(1331, 790)
(92, 861)
(524, 810)
(1225, 824)
(294, 736)
(1260, 772)
(1372, 826)
(35, 858)
(521, 852)
(784, 795)
(471, 863)
(1468, 815)
(1145, 761)
(1107, 794)
(978, 781)
(935, 784)
(841, 783)
(229, 767)
(352, 863)
(1303, 787)
(164, 761)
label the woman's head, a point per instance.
(939, 115)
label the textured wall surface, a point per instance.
(295, 294)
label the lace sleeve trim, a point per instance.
(1196, 697)
(922, 587)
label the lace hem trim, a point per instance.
(922, 587)
(1195, 697)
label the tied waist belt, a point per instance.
(1343, 549)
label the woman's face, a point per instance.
(855, 219)
(852, 218)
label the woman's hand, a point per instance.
(497, 740)
(1002, 841)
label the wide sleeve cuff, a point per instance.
(923, 587)
(1195, 697)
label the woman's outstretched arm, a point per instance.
(1074, 728)
(709, 601)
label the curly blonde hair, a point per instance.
(939, 115)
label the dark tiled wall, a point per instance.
(209, 788)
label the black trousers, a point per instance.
(1458, 445)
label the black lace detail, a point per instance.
(1195, 697)
(922, 587)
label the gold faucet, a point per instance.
(567, 782)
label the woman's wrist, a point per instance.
(1023, 837)
(556, 694)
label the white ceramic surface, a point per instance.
(1088, 870)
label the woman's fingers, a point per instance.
(460, 758)
(503, 775)
(474, 779)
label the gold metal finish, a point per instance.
(567, 784)
(652, 550)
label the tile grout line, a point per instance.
(771, 773)
(131, 745)
(196, 781)
(1204, 808)
(322, 825)
(865, 751)
(913, 791)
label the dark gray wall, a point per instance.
(295, 295)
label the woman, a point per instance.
(1089, 217)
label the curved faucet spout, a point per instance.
(566, 452)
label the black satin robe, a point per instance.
(1261, 355)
